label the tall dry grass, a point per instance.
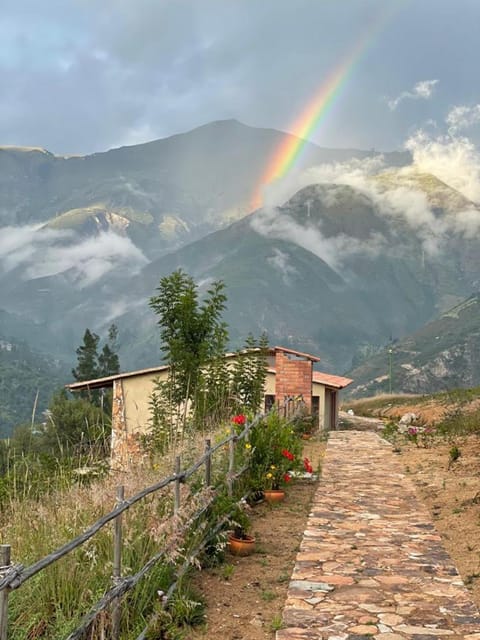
(51, 604)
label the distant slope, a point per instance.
(23, 373)
(444, 354)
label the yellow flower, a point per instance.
(248, 446)
(273, 466)
(269, 475)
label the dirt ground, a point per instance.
(245, 596)
(452, 493)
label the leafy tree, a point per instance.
(192, 332)
(249, 373)
(73, 421)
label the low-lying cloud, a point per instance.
(333, 251)
(397, 195)
(40, 253)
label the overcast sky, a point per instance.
(79, 76)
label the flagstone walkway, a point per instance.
(371, 564)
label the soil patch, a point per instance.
(245, 596)
(451, 490)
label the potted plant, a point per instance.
(276, 451)
(240, 543)
(277, 476)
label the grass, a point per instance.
(277, 623)
(51, 604)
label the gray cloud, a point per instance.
(111, 72)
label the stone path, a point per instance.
(371, 563)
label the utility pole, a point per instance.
(390, 354)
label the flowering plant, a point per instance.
(307, 465)
(275, 452)
(278, 474)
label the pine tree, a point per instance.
(87, 358)
(108, 362)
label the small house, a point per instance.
(290, 375)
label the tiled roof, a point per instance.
(338, 382)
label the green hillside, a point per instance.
(444, 354)
(23, 373)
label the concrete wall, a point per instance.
(130, 417)
(137, 391)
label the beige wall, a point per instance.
(136, 392)
(269, 388)
(319, 390)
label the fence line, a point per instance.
(13, 576)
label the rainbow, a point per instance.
(287, 154)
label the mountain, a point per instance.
(160, 194)
(442, 355)
(334, 271)
(78, 230)
(24, 373)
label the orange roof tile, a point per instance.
(338, 382)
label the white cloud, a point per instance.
(279, 260)
(397, 196)
(334, 250)
(454, 160)
(40, 253)
(462, 117)
(423, 90)
(18, 245)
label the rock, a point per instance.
(408, 418)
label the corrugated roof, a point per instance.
(329, 380)
(99, 383)
(309, 356)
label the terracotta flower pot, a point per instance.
(274, 495)
(241, 546)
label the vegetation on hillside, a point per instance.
(25, 373)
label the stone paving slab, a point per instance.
(371, 564)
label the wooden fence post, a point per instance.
(208, 462)
(117, 565)
(4, 566)
(176, 488)
(231, 460)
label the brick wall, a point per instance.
(293, 377)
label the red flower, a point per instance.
(240, 419)
(286, 454)
(287, 477)
(307, 465)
